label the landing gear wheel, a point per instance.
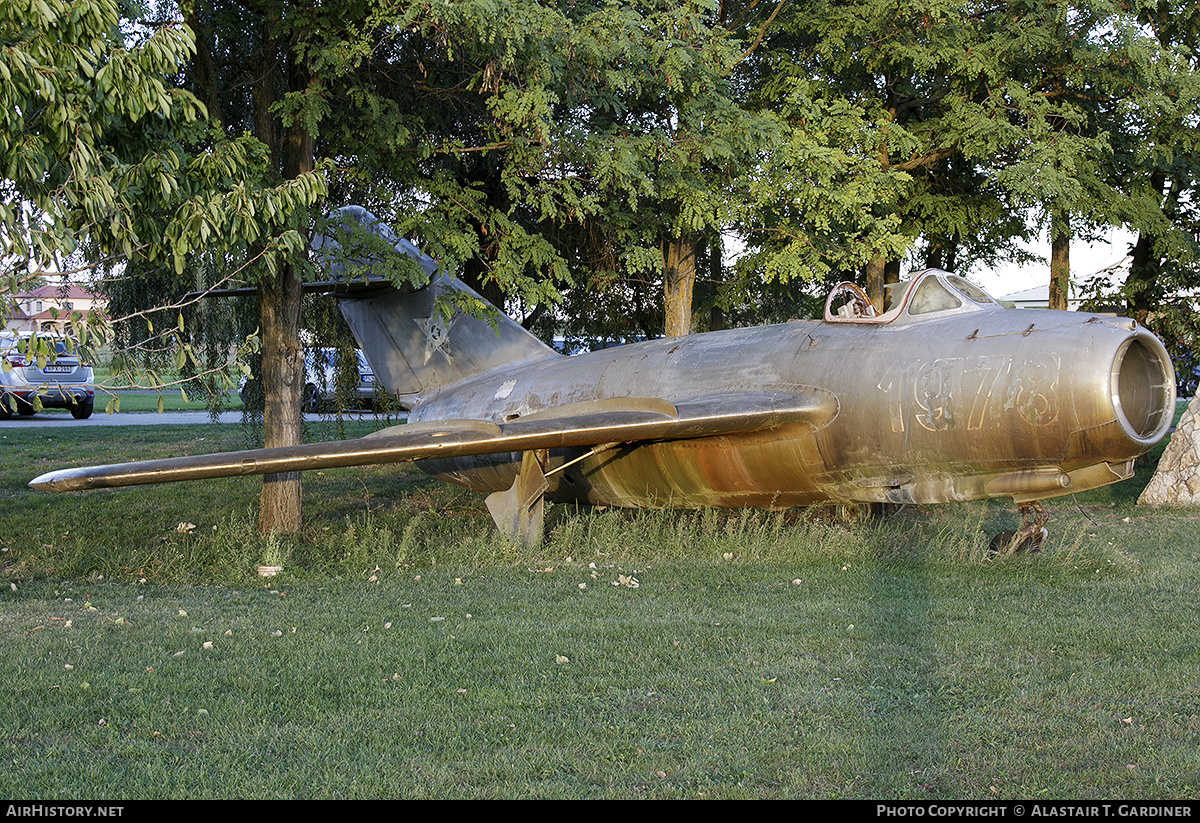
(1028, 538)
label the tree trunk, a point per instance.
(1141, 295)
(943, 254)
(873, 280)
(283, 383)
(485, 174)
(283, 354)
(1142, 292)
(679, 280)
(934, 257)
(203, 70)
(952, 256)
(1060, 260)
(716, 272)
(875, 271)
(891, 274)
(262, 92)
(474, 276)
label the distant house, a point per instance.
(1038, 297)
(33, 309)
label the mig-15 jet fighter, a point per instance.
(946, 397)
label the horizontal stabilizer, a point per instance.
(588, 424)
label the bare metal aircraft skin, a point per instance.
(947, 397)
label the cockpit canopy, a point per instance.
(928, 293)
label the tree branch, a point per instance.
(762, 31)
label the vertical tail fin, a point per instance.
(412, 348)
(415, 352)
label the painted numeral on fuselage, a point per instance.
(941, 394)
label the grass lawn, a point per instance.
(148, 401)
(133, 402)
(408, 651)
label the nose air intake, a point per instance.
(1143, 388)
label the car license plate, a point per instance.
(58, 369)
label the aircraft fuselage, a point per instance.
(985, 403)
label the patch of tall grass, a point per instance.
(421, 531)
(405, 536)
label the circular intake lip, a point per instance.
(1143, 388)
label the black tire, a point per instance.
(5, 408)
(24, 409)
(82, 411)
(1006, 543)
(311, 403)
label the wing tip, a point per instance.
(56, 481)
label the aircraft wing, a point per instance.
(616, 420)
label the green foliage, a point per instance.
(107, 164)
(543, 151)
(812, 211)
(875, 94)
(933, 129)
(96, 144)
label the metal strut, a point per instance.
(520, 512)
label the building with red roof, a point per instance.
(48, 307)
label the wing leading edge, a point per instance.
(617, 420)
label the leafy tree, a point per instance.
(437, 117)
(671, 147)
(628, 160)
(958, 119)
(96, 151)
(822, 206)
(883, 99)
(490, 131)
(1158, 168)
(1064, 99)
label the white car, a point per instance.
(320, 381)
(66, 383)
